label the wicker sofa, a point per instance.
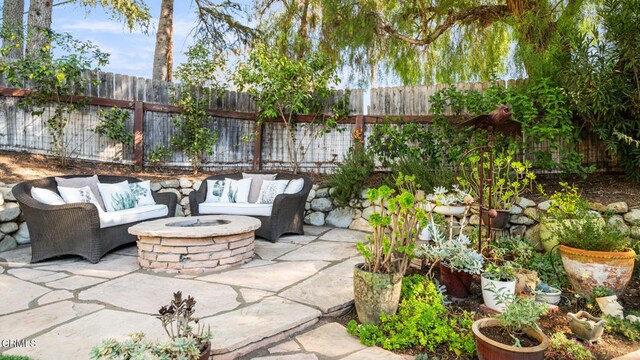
(76, 228)
(285, 215)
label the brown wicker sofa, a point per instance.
(286, 213)
(74, 229)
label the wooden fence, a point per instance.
(233, 116)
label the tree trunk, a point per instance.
(12, 27)
(162, 58)
(38, 25)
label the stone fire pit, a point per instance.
(195, 244)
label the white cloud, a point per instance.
(105, 26)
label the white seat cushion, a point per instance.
(235, 209)
(114, 218)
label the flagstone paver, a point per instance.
(269, 277)
(376, 353)
(287, 346)
(18, 257)
(75, 339)
(269, 251)
(146, 293)
(322, 250)
(299, 356)
(253, 295)
(29, 322)
(297, 239)
(38, 276)
(330, 340)
(267, 318)
(128, 251)
(316, 230)
(54, 296)
(16, 294)
(344, 235)
(109, 267)
(74, 282)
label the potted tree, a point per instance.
(514, 334)
(497, 282)
(396, 219)
(595, 255)
(509, 179)
(185, 341)
(458, 262)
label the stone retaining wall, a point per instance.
(321, 209)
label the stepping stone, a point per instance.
(270, 277)
(33, 275)
(55, 296)
(288, 357)
(109, 267)
(74, 340)
(329, 290)
(20, 256)
(16, 294)
(74, 282)
(297, 239)
(373, 353)
(128, 251)
(253, 295)
(322, 250)
(316, 230)
(331, 340)
(146, 293)
(248, 325)
(27, 323)
(269, 251)
(344, 235)
(286, 347)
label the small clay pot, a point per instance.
(458, 283)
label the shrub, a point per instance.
(351, 174)
(428, 177)
(623, 327)
(113, 124)
(574, 349)
(422, 321)
(589, 234)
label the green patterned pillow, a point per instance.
(142, 192)
(235, 191)
(117, 197)
(270, 189)
(214, 190)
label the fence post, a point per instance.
(257, 147)
(138, 128)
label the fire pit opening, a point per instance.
(197, 223)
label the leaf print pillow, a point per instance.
(236, 191)
(142, 193)
(117, 196)
(78, 195)
(270, 189)
(214, 190)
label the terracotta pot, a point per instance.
(492, 350)
(589, 269)
(499, 222)
(206, 353)
(458, 283)
(375, 293)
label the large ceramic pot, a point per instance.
(375, 293)
(494, 292)
(501, 221)
(492, 350)
(458, 283)
(589, 269)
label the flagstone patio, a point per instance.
(69, 305)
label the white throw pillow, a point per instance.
(294, 186)
(214, 190)
(142, 192)
(78, 195)
(117, 196)
(270, 189)
(46, 196)
(235, 191)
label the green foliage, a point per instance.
(566, 203)
(623, 327)
(55, 81)
(197, 76)
(422, 322)
(284, 88)
(602, 78)
(428, 177)
(396, 219)
(351, 175)
(496, 272)
(13, 357)
(160, 154)
(113, 124)
(133, 12)
(520, 312)
(590, 234)
(541, 108)
(576, 350)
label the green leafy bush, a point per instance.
(520, 313)
(351, 175)
(624, 328)
(422, 322)
(566, 203)
(113, 124)
(160, 154)
(590, 234)
(499, 272)
(428, 177)
(576, 350)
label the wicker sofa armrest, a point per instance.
(168, 199)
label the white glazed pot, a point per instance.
(552, 298)
(491, 288)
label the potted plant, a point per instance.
(565, 206)
(514, 334)
(185, 341)
(548, 294)
(508, 180)
(497, 282)
(595, 255)
(458, 262)
(451, 203)
(396, 219)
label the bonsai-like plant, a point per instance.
(591, 234)
(520, 313)
(185, 342)
(392, 244)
